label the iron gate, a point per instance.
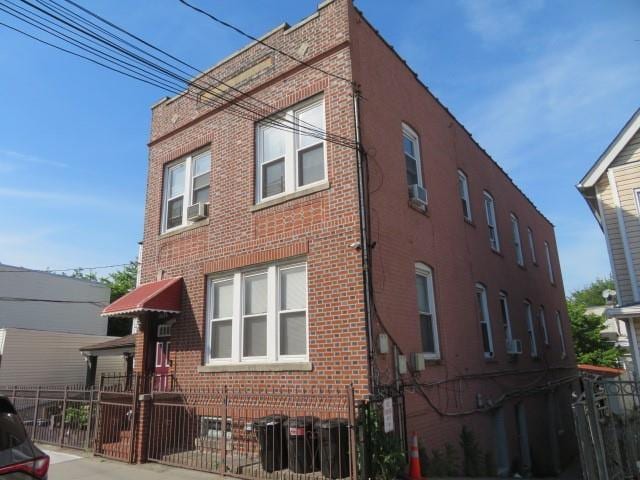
(607, 419)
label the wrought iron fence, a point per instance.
(255, 433)
(607, 419)
(59, 415)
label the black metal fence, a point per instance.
(607, 419)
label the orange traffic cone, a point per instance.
(415, 472)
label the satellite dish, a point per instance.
(607, 294)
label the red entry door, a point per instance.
(161, 371)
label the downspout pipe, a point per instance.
(365, 246)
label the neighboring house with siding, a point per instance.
(296, 277)
(612, 190)
(45, 319)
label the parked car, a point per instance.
(20, 459)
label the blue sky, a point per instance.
(542, 85)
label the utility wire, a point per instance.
(46, 300)
(261, 42)
(28, 270)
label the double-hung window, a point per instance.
(517, 244)
(532, 246)
(561, 334)
(490, 211)
(547, 253)
(186, 182)
(258, 315)
(288, 160)
(411, 147)
(463, 191)
(504, 313)
(485, 320)
(543, 325)
(427, 312)
(530, 329)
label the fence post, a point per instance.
(353, 456)
(64, 412)
(596, 432)
(35, 413)
(13, 396)
(223, 424)
(133, 420)
(90, 421)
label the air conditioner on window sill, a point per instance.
(197, 211)
(418, 196)
(514, 347)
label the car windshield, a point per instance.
(15, 445)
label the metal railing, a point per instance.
(59, 415)
(255, 433)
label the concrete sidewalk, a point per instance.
(72, 465)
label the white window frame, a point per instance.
(463, 185)
(187, 194)
(237, 319)
(423, 270)
(517, 241)
(218, 434)
(503, 301)
(547, 251)
(636, 197)
(412, 136)
(292, 149)
(542, 317)
(563, 346)
(531, 331)
(485, 319)
(532, 246)
(492, 222)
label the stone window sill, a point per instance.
(291, 196)
(186, 228)
(257, 367)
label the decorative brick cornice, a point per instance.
(254, 258)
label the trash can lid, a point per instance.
(301, 421)
(334, 423)
(269, 420)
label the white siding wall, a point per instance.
(47, 358)
(58, 317)
(630, 153)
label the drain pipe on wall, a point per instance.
(364, 237)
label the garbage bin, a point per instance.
(302, 444)
(333, 436)
(271, 438)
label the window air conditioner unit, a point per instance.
(514, 347)
(418, 195)
(197, 211)
(417, 361)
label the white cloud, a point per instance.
(496, 20)
(15, 159)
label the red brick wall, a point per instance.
(457, 251)
(320, 226)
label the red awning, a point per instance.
(598, 370)
(164, 296)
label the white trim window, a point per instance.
(532, 246)
(411, 149)
(288, 161)
(563, 346)
(485, 320)
(427, 312)
(258, 315)
(636, 196)
(517, 243)
(490, 211)
(186, 182)
(506, 319)
(543, 325)
(547, 252)
(531, 329)
(463, 191)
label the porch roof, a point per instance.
(128, 341)
(163, 296)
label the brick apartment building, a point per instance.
(414, 262)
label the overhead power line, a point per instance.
(48, 300)
(262, 42)
(109, 50)
(59, 270)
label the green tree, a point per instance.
(589, 345)
(591, 295)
